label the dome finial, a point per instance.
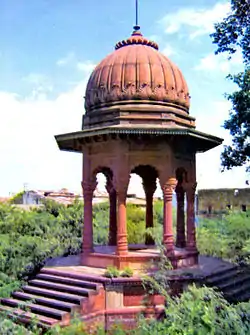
(136, 27)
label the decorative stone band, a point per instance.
(136, 38)
(102, 95)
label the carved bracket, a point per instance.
(190, 189)
(88, 188)
(149, 186)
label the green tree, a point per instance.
(233, 35)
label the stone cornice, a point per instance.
(204, 141)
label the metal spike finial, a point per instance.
(136, 27)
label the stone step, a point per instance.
(60, 287)
(67, 297)
(233, 294)
(38, 309)
(53, 303)
(242, 297)
(81, 276)
(26, 317)
(221, 275)
(216, 280)
(67, 281)
(234, 282)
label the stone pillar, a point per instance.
(180, 224)
(168, 238)
(191, 236)
(122, 239)
(149, 188)
(112, 213)
(88, 190)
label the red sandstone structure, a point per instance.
(137, 121)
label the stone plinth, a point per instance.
(137, 258)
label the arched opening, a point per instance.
(104, 208)
(181, 177)
(140, 214)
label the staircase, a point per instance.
(234, 283)
(53, 297)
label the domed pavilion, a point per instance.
(137, 121)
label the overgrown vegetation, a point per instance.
(233, 35)
(28, 238)
(227, 237)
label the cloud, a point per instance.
(27, 143)
(220, 62)
(208, 164)
(30, 154)
(86, 66)
(40, 85)
(69, 58)
(195, 21)
(168, 50)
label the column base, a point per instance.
(184, 258)
(181, 244)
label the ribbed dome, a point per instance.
(136, 70)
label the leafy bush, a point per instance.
(101, 223)
(112, 272)
(228, 237)
(127, 272)
(199, 311)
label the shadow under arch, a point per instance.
(181, 177)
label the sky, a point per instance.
(47, 52)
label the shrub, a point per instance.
(227, 237)
(112, 272)
(127, 272)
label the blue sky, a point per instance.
(47, 52)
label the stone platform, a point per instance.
(137, 258)
(64, 287)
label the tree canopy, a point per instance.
(233, 35)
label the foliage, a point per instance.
(238, 124)
(234, 31)
(29, 238)
(101, 223)
(17, 198)
(157, 279)
(227, 238)
(232, 35)
(135, 224)
(112, 272)
(127, 272)
(198, 311)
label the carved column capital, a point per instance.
(88, 188)
(121, 188)
(168, 189)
